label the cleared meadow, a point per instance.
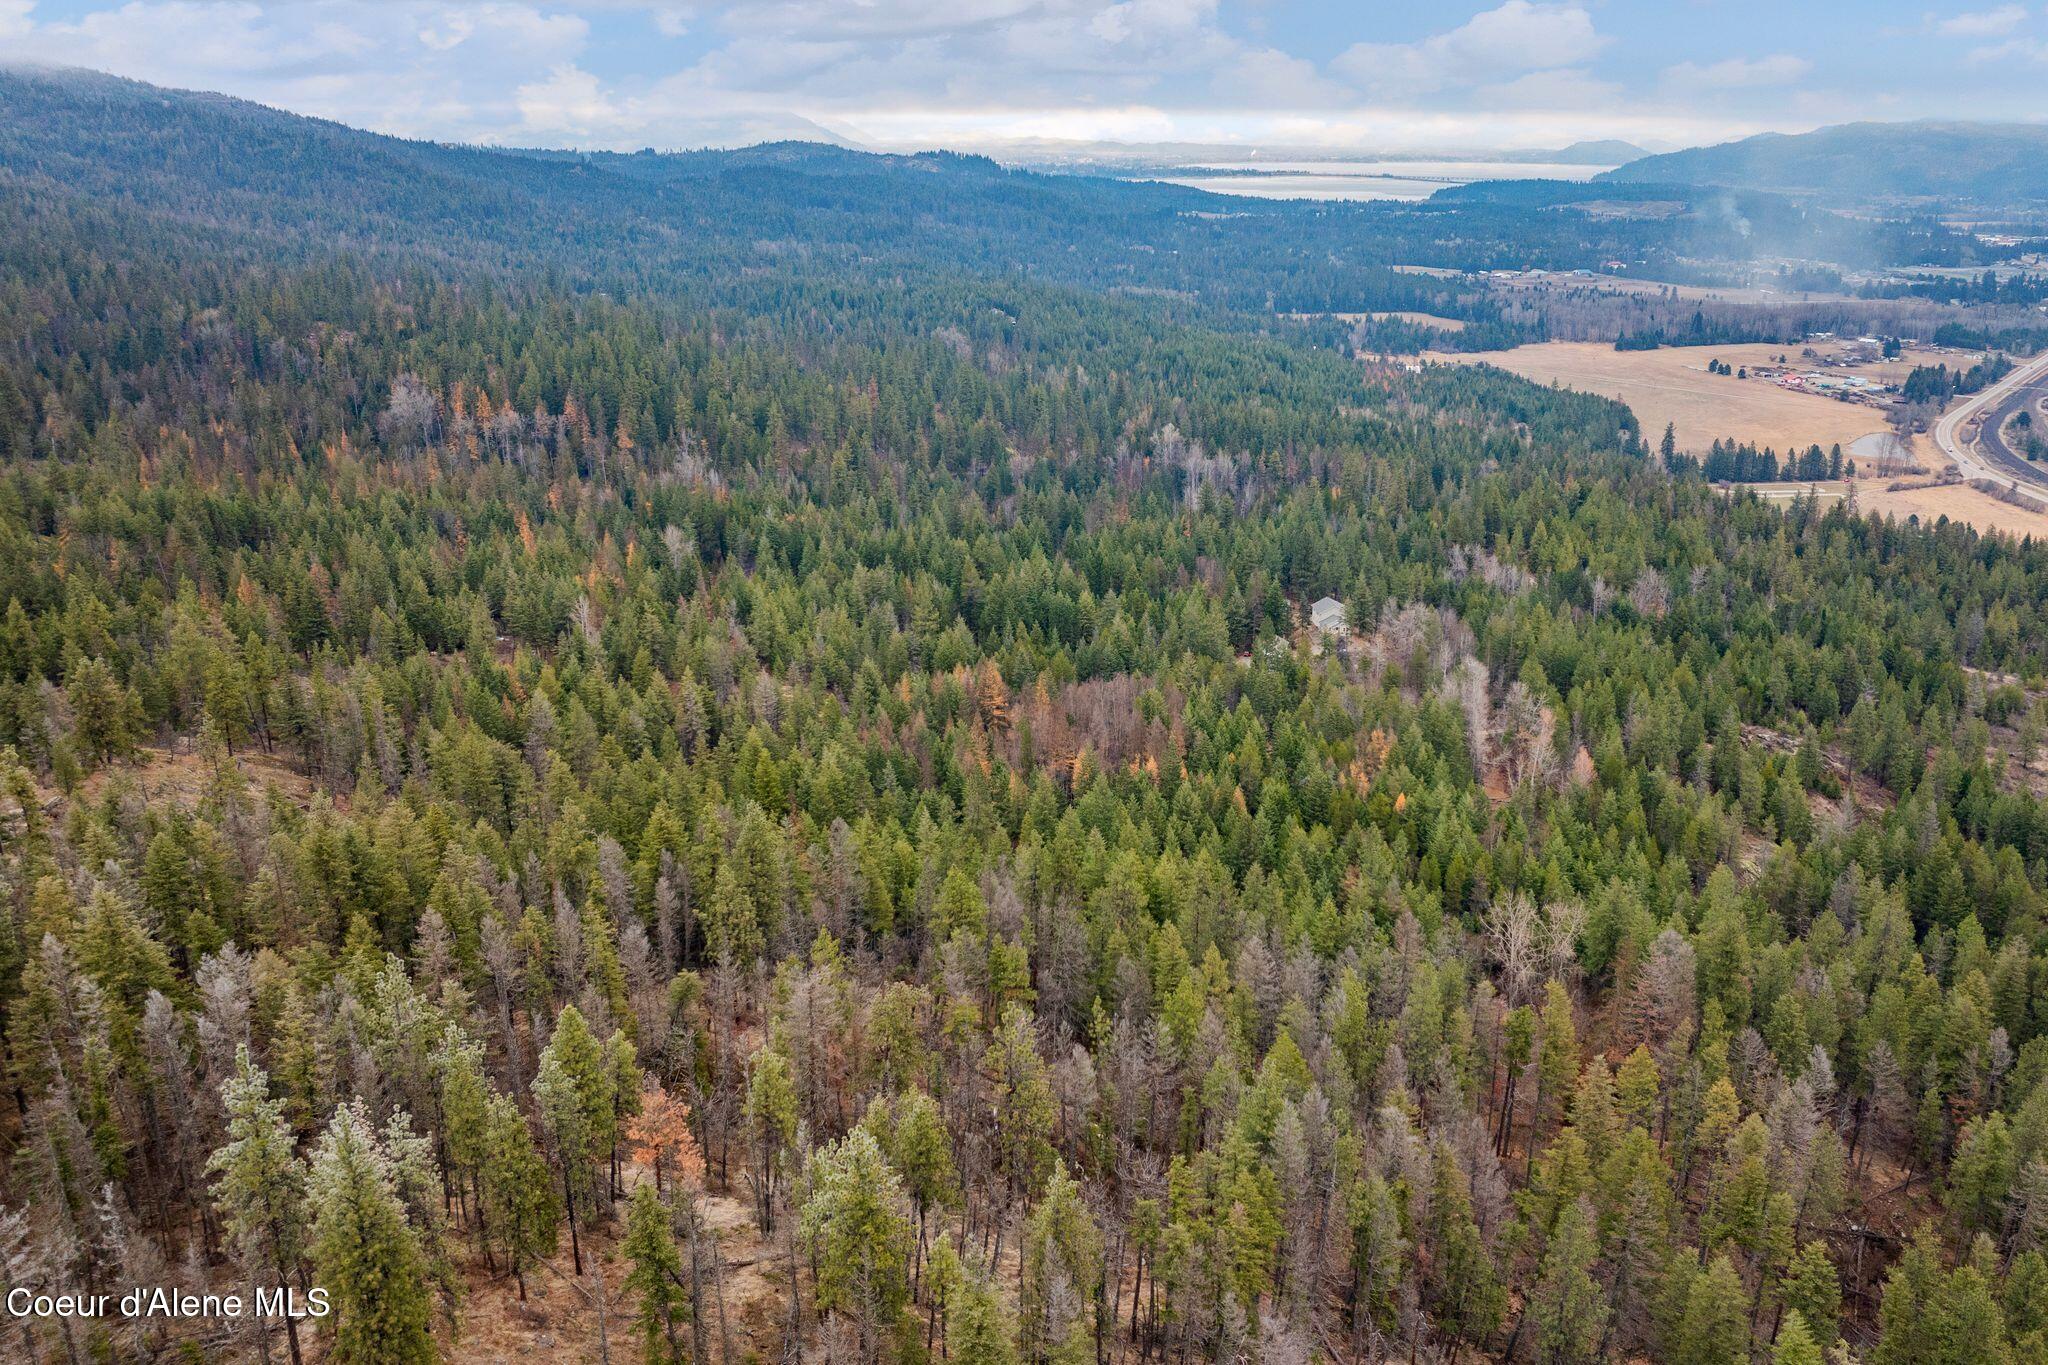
(1672, 385)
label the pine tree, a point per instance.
(771, 1112)
(1980, 1177)
(105, 714)
(657, 1277)
(1023, 1102)
(520, 1205)
(259, 1184)
(1467, 1293)
(978, 1331)
(921, 1150)
(1379, 1262)
(1909, 1312)
(1557, 1057)
(364, 1254)
(1636, 1087)
(1795, 1344)
(661, 1138)
(573, 1088)
(416, 1178)
(1062, 1274)
(1714, 1327)
(732, 921)
(465, 1115)
(856, 1230)
(1813, 1289)
(622, 1080)
(1569, 1304)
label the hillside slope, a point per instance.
(215, 165)
(1985, 163)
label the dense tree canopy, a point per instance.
(504, 739)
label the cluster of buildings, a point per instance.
(1832, 385)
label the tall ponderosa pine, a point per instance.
(1569, 1305)
(1468, 1295)
(573, 1089)
(855, 1227)
(1062, 1274)
(520, 1207)
(364, 1254)
(259, 1184)
(658, 1279)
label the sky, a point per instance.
(1356, 75)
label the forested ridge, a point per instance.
(584, 789)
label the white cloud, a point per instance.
(925, 127)
(2011, 50)
(926, 72)
(1519, 37)
(570, 103)
(824, 20)
(1270, 79)
(422, 68)
(1990, 23)
(1557, 88)
(1738, 73)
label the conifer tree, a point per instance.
(856, 1229)
(1795, 1344)
(520, 1205)
(1713, 1328)
(657, 1277)
(465, 1114)
(921, 1150)
(1813, 1290)
(732, 921)
(978, 1330)
(1062, 1274)
(1468, 1295)
(364, 1254)
(573, 1089)
(1569, 1304)
(771, 1112)
(259, 1184)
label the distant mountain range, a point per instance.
(254, 179)
(1999, 165)
(258, 183)
(1066, 154)
(1604, 152)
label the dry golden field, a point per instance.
(1672, 385)
(1398, 314)
(1423, 320)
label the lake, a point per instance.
(1361, 179)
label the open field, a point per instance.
(1956, 501)
(1397, 314)
(1419, 319)
(1875, 497)
(1672, 385)
(1626, 284)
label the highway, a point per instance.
(1986, 457)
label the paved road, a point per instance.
(1984, 455)
(1991, 437)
